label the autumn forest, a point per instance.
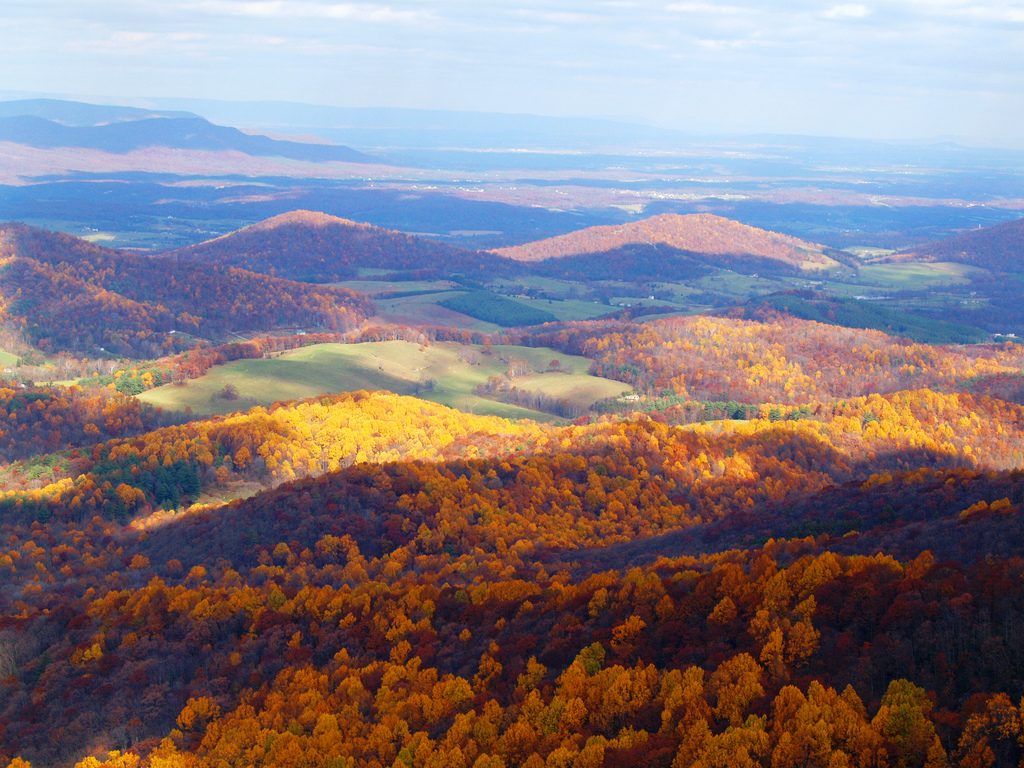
(613, 532)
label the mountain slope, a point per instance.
(64, 293)
(699, 233)
(440, 609)
(173, 132)
(1000, 248)
(316, 247)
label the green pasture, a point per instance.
(443, 373)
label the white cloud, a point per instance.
(996, 12)
(132, 38)
(847, 11)
(722, 45)
(279, 9)
(557, 17)
(709, 9)
(188, 37)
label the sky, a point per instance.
(894, 69)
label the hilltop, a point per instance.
(316, 247)
(699, 233)
(1000, 247)
(63, 293)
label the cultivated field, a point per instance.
(918, 275)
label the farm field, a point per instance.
(918, 275)
(442, 373)
(494, 308)
(550, 286)
(570, 309)
(378, 287)
(424, 309)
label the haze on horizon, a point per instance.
(888, 69)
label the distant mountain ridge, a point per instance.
(1000, 247)
(82, 114)
(699, 233)
(316, 247)
(173, 132)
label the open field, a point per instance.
(918, 275)
(103, 238)
(550, 286)
(577, 389)
(569, 309)
(425, 310)
(7, 359)
(378, 287)
(443, 373)
(736, 284)
(868, 252)
(495, 308)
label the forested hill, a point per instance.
(63, 293)
(705, 234)
(999, 248)
(316, 247)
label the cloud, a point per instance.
(708, 9)
(993, 12)
(847, 11)
(304, 9)
(557, 17)
(720, 45)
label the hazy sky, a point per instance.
(897, 69)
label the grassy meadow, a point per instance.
(443, 373)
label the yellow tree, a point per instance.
(734, 686)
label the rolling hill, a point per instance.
(63, 293)
(999, 248)
(455, 375)
(316, 247)
(705, 234)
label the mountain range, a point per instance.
(62, 292)
(49, 124)
(82, 114)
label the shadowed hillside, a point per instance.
(1000, 248)
(61, 292)
(316, 247)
